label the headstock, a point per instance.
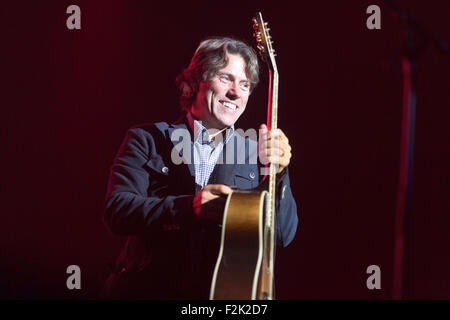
(263, 40)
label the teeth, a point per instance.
(229, 105)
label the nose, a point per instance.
(233, 91)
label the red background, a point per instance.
(69, 96)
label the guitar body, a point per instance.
(242, 270)
(245, 266)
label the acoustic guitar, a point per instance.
(245, 265)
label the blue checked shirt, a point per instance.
(206, 150)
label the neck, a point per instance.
(213, 130)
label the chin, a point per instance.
(221, 122)
(228, 123)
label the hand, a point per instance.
(209, 202)
(274, 147)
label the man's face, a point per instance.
(222, 99)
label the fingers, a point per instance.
(218, 189)
(213, 191)
(274, 147)
(276, 134)
(278, 154)
(282, 161)
(275, 143)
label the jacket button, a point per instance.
(165, 170)
(252, 175)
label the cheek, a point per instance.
(218, 89)
(244, 101)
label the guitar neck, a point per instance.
(272, 119)
(267, 53)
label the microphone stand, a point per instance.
(417, 40)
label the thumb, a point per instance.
(220, 189)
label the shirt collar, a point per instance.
(201, 134)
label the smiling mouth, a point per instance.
(229, 105)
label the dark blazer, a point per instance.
(169, 254)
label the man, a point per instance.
(171, 211)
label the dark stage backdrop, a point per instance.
(68, 97)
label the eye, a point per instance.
(245, 86)
(224, 78)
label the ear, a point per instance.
(186, 90)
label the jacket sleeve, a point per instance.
(128, 208)
(286, 208)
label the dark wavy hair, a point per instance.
(211, 56)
